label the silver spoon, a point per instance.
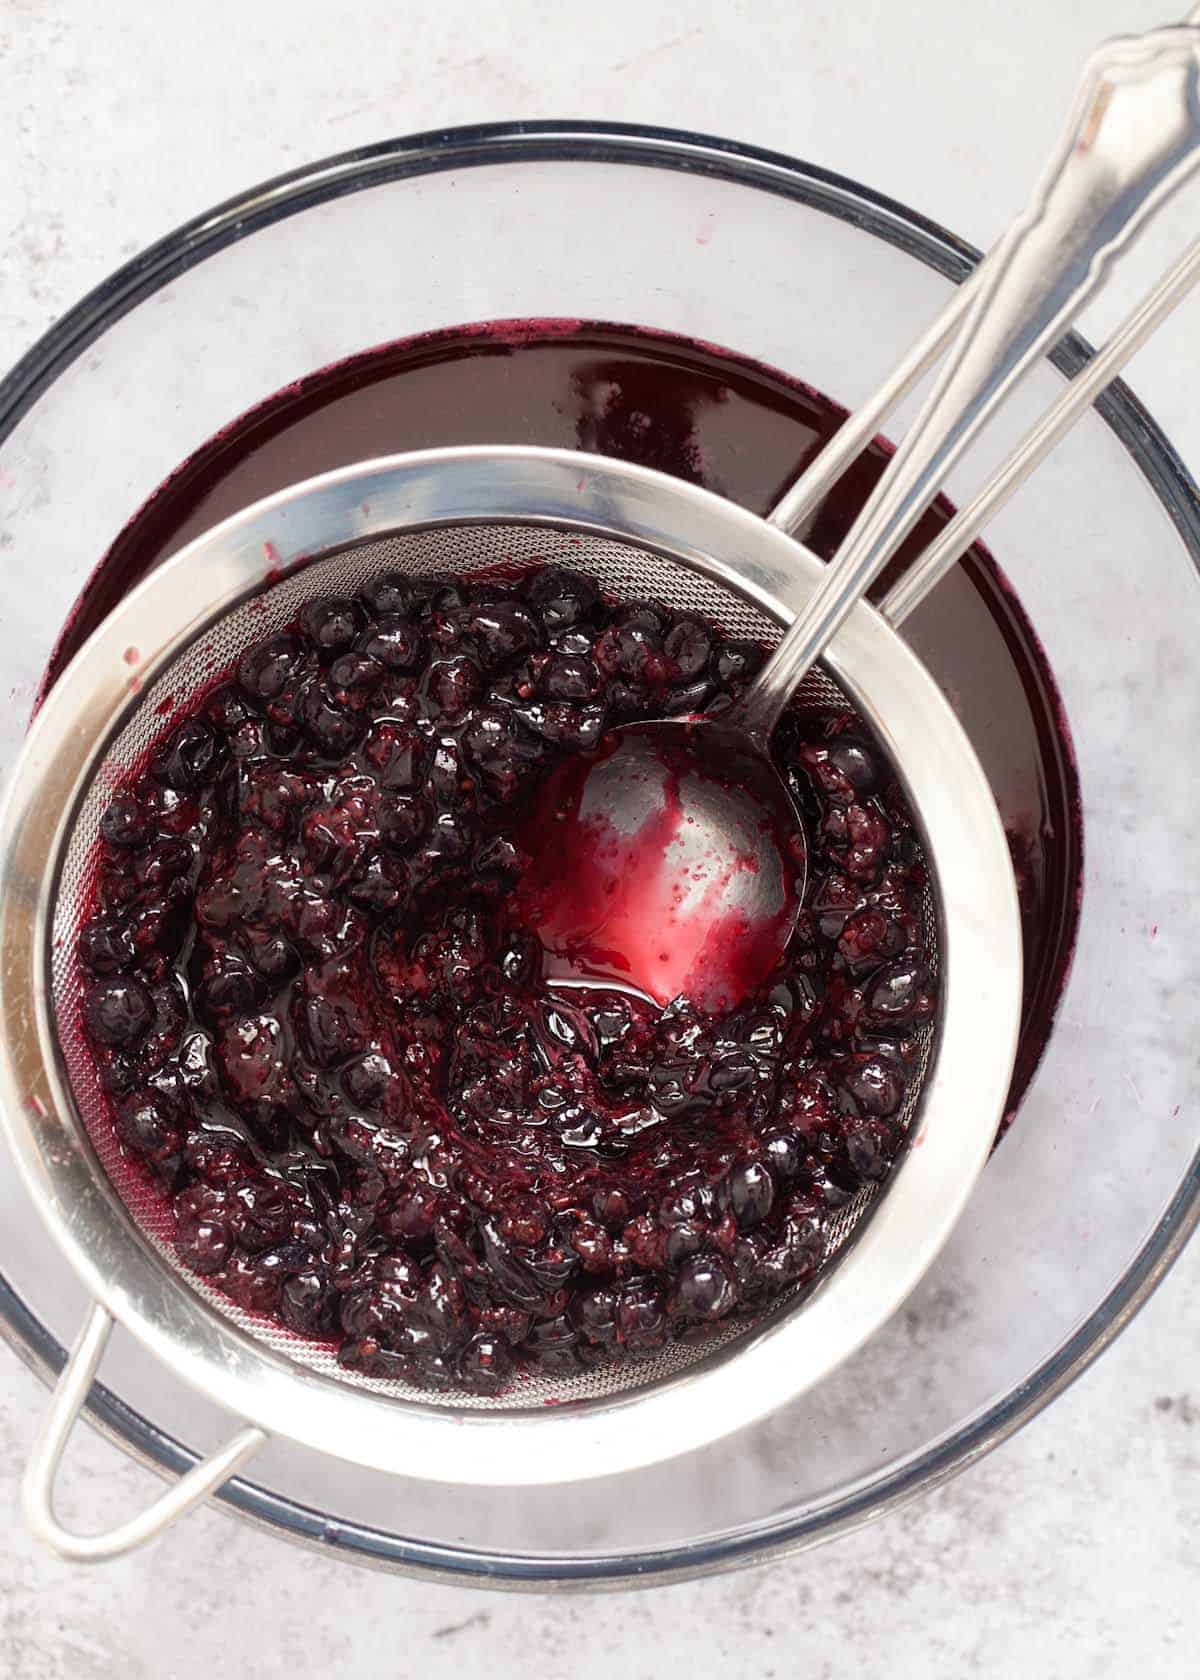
(674, 861)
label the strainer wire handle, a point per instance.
(794, 509)
(928, 569)
(68, 1399)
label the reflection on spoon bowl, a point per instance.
(671, 862)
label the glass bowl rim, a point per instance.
(884, 218)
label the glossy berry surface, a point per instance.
(324, 1029)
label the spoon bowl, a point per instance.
(672, 861)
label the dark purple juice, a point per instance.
(735, 427)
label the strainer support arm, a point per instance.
(37, 1490)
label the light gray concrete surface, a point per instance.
(1074, 1550)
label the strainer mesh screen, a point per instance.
(620, 569)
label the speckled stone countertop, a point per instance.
(1074, 1550)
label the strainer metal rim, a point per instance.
(981, 958)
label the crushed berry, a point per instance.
(323, 1027)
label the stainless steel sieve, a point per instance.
(468, 512)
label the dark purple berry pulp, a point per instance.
(322, 1018)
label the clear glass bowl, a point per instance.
(1096, 1186)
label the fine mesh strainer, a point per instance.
(470, 511)
(634, 530)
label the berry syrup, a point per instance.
(713, 418)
